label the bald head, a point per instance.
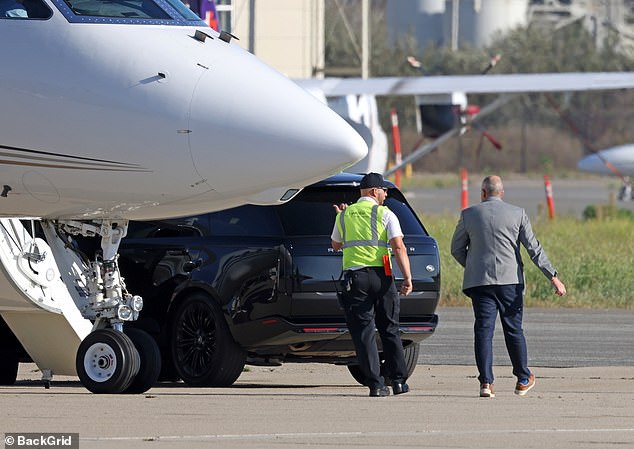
(492, 186)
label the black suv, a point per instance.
(258, 284)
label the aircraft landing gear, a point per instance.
(110, 359)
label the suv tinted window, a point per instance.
(179, 227)
(409, 222)
(240, 221)
(311, 212)
(245, 220)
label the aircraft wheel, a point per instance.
(411, 359)
(149, 358)
(107, 361)
(203, 349)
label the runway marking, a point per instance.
(272, 436)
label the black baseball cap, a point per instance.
(372, 180)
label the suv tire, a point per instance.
(203, 350)
(411, 359)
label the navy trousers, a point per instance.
(370, 302)
(487, 301)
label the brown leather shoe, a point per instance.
(522, 389)
(486, 391)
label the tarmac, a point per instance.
(318, 406)
(583, 398)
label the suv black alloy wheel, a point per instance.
(203, 349)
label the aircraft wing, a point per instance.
(510, 83)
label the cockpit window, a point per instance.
(164, 12)
(139, 9)
(24, 9)
(183, 10)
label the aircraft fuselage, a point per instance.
(144, 121)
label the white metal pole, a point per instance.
(365, 39)
(455, 24)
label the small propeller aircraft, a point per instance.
(441, 100)
(117, 110)
(614, 161)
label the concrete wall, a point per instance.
(286, 34)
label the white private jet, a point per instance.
(443, 98)
(116, 110)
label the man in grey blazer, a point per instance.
(486, 243)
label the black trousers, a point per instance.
(370, 302)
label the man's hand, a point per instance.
(339, 207)
(560, 288)
(406, 287)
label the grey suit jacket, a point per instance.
(487, 240)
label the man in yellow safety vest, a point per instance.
(365, 231)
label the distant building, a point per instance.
(457, 23)
(286, 34)
(289, 34)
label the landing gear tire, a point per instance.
(150, 360)
(107, 361)
(411, 351)
(203, 349)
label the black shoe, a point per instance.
(379, 392)
(400, 388)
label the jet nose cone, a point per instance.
(307, 136)
(330, 137)
(266, 131)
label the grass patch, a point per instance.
(593, 258)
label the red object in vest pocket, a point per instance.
(387, 265)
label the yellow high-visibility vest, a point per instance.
(364, 235)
